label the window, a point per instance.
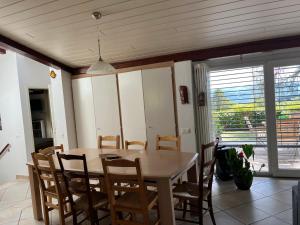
(238, 109)
(287, 99)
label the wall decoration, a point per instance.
(201, 99)
(0, 123)
(52, 74)
(184, 94)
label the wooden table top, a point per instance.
(154, 164)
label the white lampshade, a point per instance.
(101, 68)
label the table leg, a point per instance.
(192, 174)
(35, 194)
(165, 201)
(193, 177)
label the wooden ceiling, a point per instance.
(135, 29)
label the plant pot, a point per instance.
(243, 183)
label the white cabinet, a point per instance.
(132, 106)
(159, 103)
(84, 112)
(106, 105)
(145, 104)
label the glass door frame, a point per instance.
(270, 104)
(251, 64)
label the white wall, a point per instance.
(32, 74)
(12, 162)
(18, 74)
(61, 102)
(69, 109)
(185, 112)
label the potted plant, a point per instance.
(241, 168)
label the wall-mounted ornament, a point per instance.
(183, 90)
(52, 74)
(201, 99)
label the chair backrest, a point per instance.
(206, 168)
(51, 150)
(173, 143)
(77, 183)
(114, 180)
(111, 142)
(46, 171)
(136, 143)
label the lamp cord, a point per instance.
(98, 27)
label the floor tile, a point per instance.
(267, 202)
(284, 196)
(16, 193)
(286, 216)
(270, 221)
(9, 215)
(247, 214)
(236, 198)
(270, 205)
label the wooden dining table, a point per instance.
(161, 168)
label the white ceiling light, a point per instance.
(100, 67)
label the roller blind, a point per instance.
(287, 99)
(238, 106)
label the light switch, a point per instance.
(185, 130)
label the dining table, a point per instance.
(160, 168)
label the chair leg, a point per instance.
(184, 209)
(113, 215)
(200, 212)
(211, 211)
(46, 215)
(146, 218)
(61, 213)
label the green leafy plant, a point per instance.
(241, 168)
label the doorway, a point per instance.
(41, 118)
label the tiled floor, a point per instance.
(268, 202)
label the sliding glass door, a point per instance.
(260, 105)
(238, 110)
(286, 120)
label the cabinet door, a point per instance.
(159, 103)
(106, 104)
(132, 106)
(84, 112)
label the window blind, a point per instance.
(238, 106)
(287, 98)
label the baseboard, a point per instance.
(22, 177)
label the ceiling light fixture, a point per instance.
(100, 67)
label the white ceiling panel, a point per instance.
(133, 29)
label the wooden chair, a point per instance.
(77, 184)
(51, 150)
(52, 187)
(111, 139)
(193, 194)
(171, 139)
(135, 200)
(144, 145)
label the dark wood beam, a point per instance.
(2, 51)
(204, 54)
(10, 44)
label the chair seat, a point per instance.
(189, 190)
(99, 199)
(52, 190)
(132, 200)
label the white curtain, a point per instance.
(203, 115)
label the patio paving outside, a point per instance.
(288, 155)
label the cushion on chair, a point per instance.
(132, 199)
(99, 199)
(189, 190)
